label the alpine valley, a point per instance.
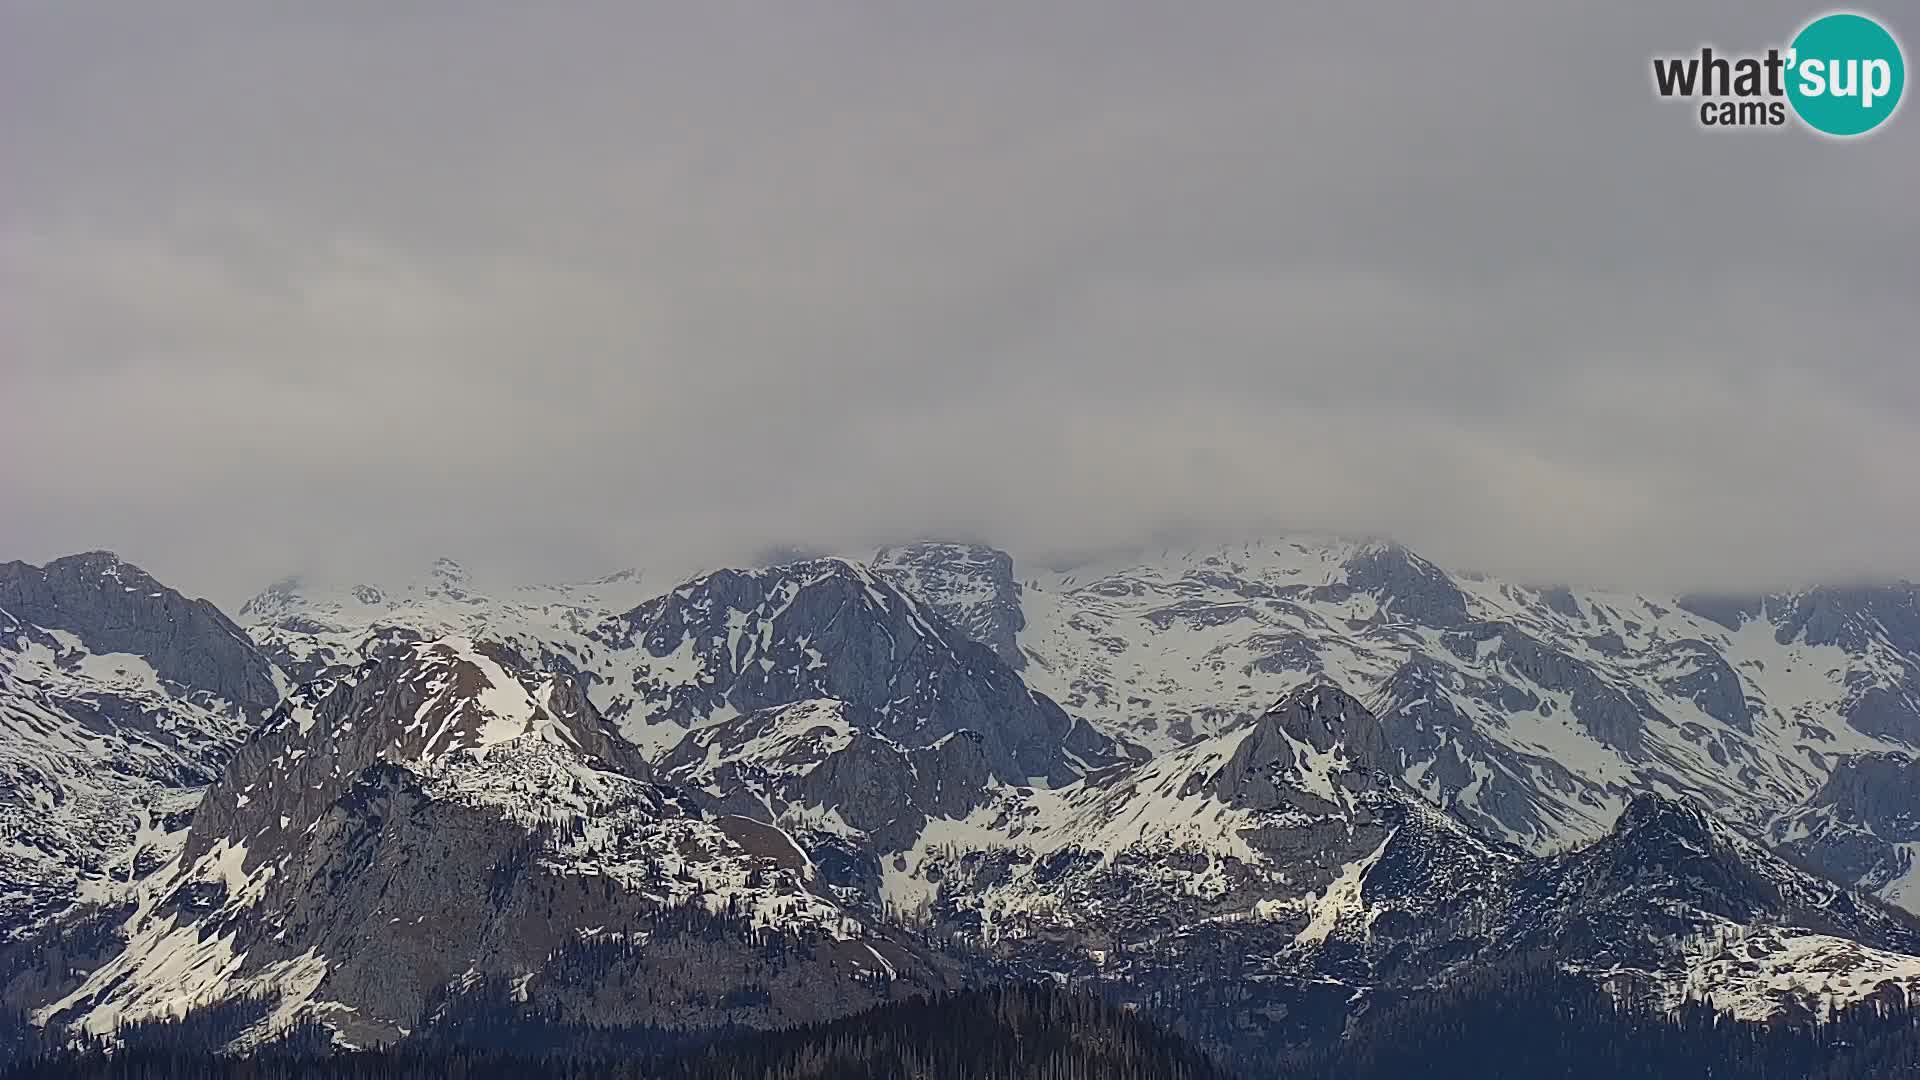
(1260, 792)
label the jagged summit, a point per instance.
(1320, 696)
(1313, 744)
(98, 561)
(735, 642)
(430, 706)
(1681, 817)
(113, 606)
(971, 586)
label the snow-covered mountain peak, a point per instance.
(805, 744)
(446, 696)
(444, 807)
(1322, 714)
(735, 642)
(1406, 587)
(313, 628)
(474, 702)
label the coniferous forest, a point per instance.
(1520, 1023)
(1019, 1031)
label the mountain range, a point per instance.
(1258, 789)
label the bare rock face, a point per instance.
(1669, 878)
(116, 607)
(793, 763)
(971, 586)
(1856, 829)
(1314, 739)
(743, 641)
(1408, 586)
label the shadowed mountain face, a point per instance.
(737, 642)
(120, 700)
(1862, 827)
(971, 586)
(115, 607)
(824, 759)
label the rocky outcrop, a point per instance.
(1694, 670)
(1856, 829)
(1313, 740)
(797, 764)
(1669, 872)
(971, 586)
(116, 607)
(1409, 587)
(1851, 617)
(1613, 715)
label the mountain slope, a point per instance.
(120, 700)
(1283, 859)
(450, 813)
(971, 586)
(734, 642)
(447, 813)
(1862, 827)
(1535, 713)
(1267, 832)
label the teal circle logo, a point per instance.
(1846, 74)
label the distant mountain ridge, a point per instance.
(1533, 713)
(1270, 783)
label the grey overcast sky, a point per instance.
(560, 288)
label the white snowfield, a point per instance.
(1169, 647)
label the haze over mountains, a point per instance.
(1244, 785)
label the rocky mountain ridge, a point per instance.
(460, 790)
(1532, 713)
(120, 701)
(447, 814)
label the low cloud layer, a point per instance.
(559, 291)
